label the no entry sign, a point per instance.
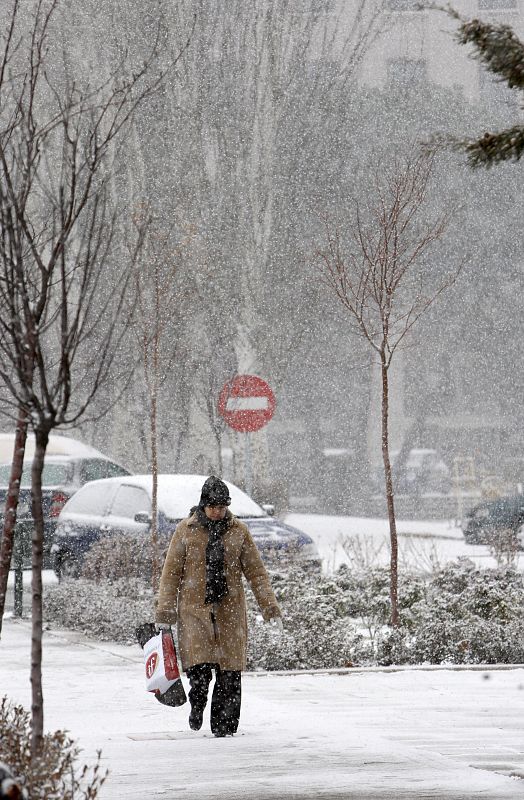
(246, 403)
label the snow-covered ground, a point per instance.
(362, 735)
(366, 541)
(358, 735)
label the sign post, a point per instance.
(247, 403)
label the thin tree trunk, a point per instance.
(217, 432)
(395, 619)
(11, 506)
(154, 467)
(37, 699)
(220, 460)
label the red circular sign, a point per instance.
(247, 403)
(151, 664)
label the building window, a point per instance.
(318, 8)
(497, 5)
(405, 5)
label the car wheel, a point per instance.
(67, 567)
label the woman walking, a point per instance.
(201, 590)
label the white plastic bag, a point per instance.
(160, 663)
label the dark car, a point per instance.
(487, 520)
(420, 471)
(123, 506)
(62, 476)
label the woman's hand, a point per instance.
(164, 626)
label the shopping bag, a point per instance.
(161, 666)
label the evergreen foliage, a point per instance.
(502, 53)
(318, 632)
(498, 48)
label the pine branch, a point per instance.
(498, 48)
(493, 148)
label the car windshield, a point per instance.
(93, 469)
(52, 475)
(178, 493)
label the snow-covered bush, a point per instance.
(318, 632)
(55, 773)
(105, 610)
(467, 616)
(329, 621)
(461, 614)
(121, 556)
(368, 595)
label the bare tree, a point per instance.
(65, 275)
(379, 275)
(208, 388)
(160, 299)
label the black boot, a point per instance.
(195, 718)
(225, 703)
(199, 679)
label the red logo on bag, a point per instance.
(151, 664)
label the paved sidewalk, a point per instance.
(377, 735)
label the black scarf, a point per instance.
(216, 585)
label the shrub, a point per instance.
(106, 610)
(318, 632)
(461, 615)
(368, 596)
(54, 774)
(121, 556)
(468, 616)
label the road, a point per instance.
(422, 545)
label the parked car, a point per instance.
(423, 471)
(58, 445)
(123, 506)
(62, 476)
(490, 518)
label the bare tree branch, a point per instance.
(65, 275)
(383, 283)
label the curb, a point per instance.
(76, 638)
(393, 668)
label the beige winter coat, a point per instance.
(183, 588)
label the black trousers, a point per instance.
(226, 698)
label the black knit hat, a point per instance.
(214, 493)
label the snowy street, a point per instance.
(412, 733)
(423, 545)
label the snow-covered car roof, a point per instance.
(67, 458)
(58, 446)
(178, 493)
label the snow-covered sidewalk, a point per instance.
(367, 734)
